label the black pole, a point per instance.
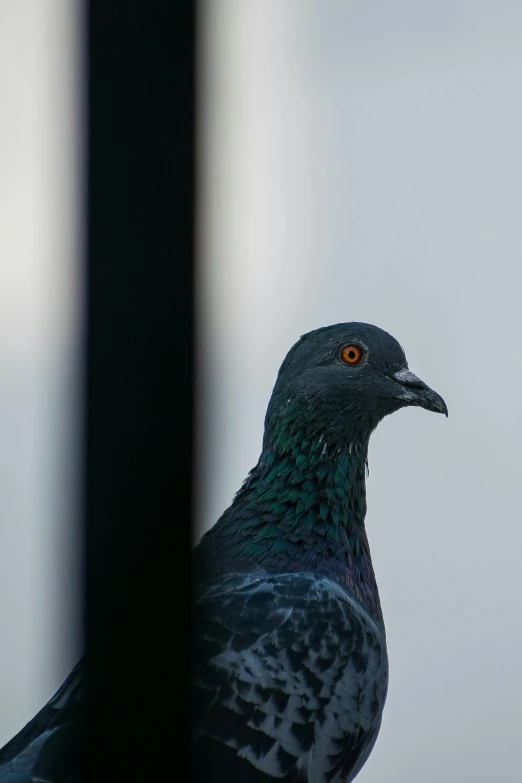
(139, 387)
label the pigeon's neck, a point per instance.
(302, 508)
(312, 485)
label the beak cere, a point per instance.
(415, 392)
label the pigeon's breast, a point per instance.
(290, 675)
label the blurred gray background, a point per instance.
(362, 162)
(39, 333)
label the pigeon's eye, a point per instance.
(351, 354)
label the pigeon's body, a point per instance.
(290, 663)
(291, 669)
(291, 677)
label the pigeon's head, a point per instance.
(340, 381)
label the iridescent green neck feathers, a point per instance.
(302, 508)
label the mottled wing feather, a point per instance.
(49, 747)
(290, 680)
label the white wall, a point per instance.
(363, 162)
(40, 116)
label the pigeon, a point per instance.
(290, 669)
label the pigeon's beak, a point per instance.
(415, 392)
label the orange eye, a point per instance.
(351, 354)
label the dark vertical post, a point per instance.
(139, 389)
